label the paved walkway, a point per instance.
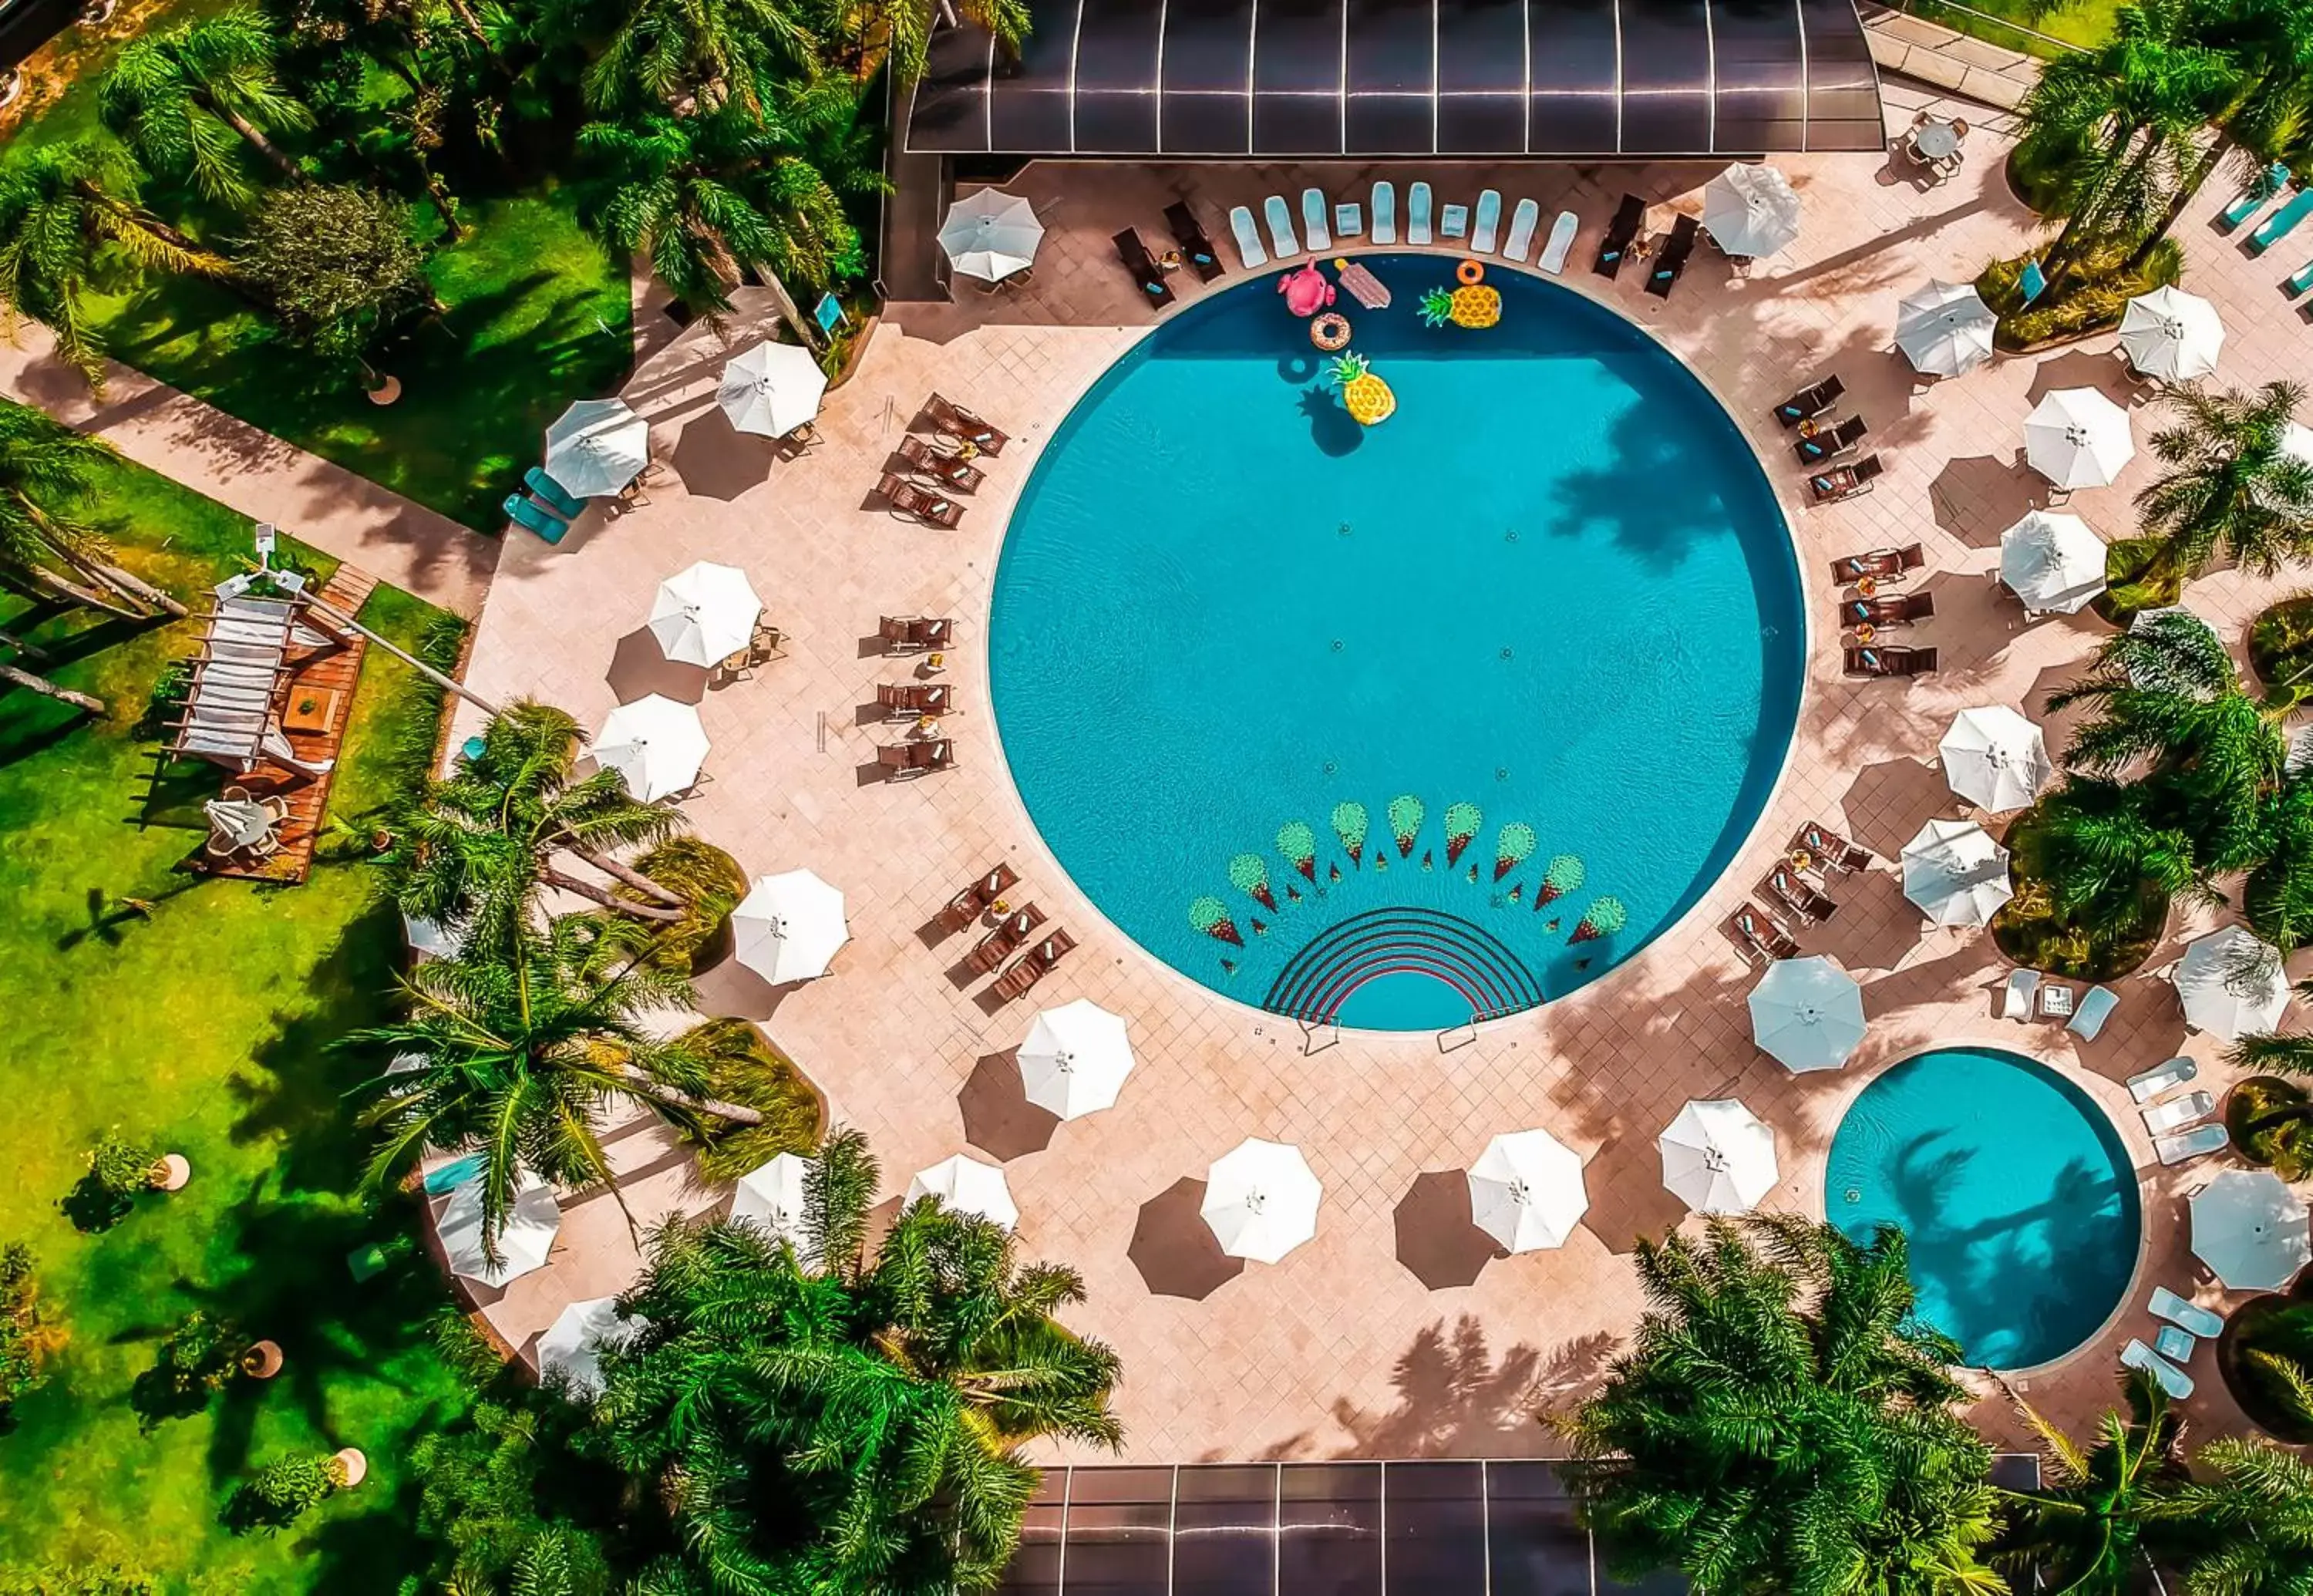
(251, 471)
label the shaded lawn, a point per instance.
(2084, 22)
(201, 1029)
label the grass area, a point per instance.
(200, 1027)
(2026, 25)
(2078, 946)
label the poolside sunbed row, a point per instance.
(1478, 228)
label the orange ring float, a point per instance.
(1329, 332)
(1470, 272)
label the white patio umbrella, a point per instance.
(2052, 562)
(2297, 439)
(2232, 983)
(1527, 1191)
(705, 614)
(1718, 1157)
(1808, 1014)
(2076, 437)
(968, 1187)
(656, 742)
(1945, 329)
(2172, 335)
(1955, 873)
(1994, 758)
(2250, 1229)
(428, 939)
(572, 1343)
(596, 446)
(1075, 1060)
(991, 236)
(532, 1225)
(771, 389)
(1751, 210)
(771, 1195)
(1261, 1200)
(788, 926)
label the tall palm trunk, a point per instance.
(138, 587)
(250, 134)
(2186, 191)
(63, 588)
(596, 895)
(2080, 227)
(789, 312)
(138, 217)
(473, 28)
(78, 701)
(628, 876)
(9, 639)
(734, 1113)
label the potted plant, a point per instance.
(287, 1488)
(118, 1171)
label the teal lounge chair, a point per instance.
(540, 520)
(2185, 1315)
(2251, 199)
(555, 494)
(2095, 1009)
(2165, 1374)
(2303, 281)
(2278, 225)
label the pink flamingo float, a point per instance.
(1306, 291)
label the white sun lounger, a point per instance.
(1248, 239)
(2162, 1078)
(2165, 1374)
(1313, 207)
(1280, 226)
(1384, 209)
(2015, 1001)
(2187, 1316)
(2196, 1142)
(1523, 221)
(1562, 238)
(2097, 1005)
(1484, 230)
(1416, 214)
(2177, 1113)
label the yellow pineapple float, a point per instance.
(1473, 304)
(1367, 398)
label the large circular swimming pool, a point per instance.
(1393, 724)
(2017, 1193)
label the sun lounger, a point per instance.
(906, 760)
(2175, 1382)
(1282, 241)
(1416, 214)
(1484, 229)
(557, 497)
(1897, 609)
(1893, 660)
(2161, 1078)
(1846, 481)
(2300, 280)
(1562, 240)
(933, 509)
(908, 701)
(2251, 199)
(965, 907)
(2176, 1113)
(1196, 248)
(1795, 893)
(1524, 220)
(1619, 233)
(2282, 222)
(957, 472)
(1672, 260)
(960, 423)
(537, 517)
(1001, 943)
(1883, 565)
(1755, 930)
(1384, 210)
(2196, 1142)
(1032, 965)
(2186, 1316)
(1831, 850)
(1829, 445)
(912, 634)
(1808, 404)
(1143, 266)
(2016, 997)
(1249, 252)
(1314, 220)
(2096, 1007)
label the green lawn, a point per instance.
(2084, 22)
(201, 1029)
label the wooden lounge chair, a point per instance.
(1883, 565)
(1830, 848)
(1005, 940)
(957, 422)
(1672, 260)
(1895, 661)
(1757, 930)
(1808, 404)
(1143, 266)
(1627, 219)
(912, 634)
(1032, 965)
(1829, 445)
(1795, 891)
(1897, 609)
(906, 760)
(906, 701)
(932, 509)
(953, 470)
(1846, 481)
(1196, 248)
(965, 907)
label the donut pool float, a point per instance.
(1469, 273)
(1329, 332)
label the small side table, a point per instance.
(310, 710)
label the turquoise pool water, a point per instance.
(2019, 1197)
(1555, 587)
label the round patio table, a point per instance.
(1938, 141)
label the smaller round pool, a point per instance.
(2016, 1193)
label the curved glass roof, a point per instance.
(1147, 79)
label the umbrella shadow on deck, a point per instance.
(639, 667)
(1437, 1241)
(1628, 1200)
(1888, 802)
(997, 1117)
(1175, 1251)
(716, 460)
(1978, 497)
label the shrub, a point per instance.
(2286, 1145)
(2089, 943)
(748, 1071)
(196, 1359)
(711, 883)
(340, 265)
(78, 1578)
(2137, 575)
(2088, 300)
(284, 1490)
(24, 1343)
(2281, 649)
(117, 1170)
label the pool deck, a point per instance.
(1394, 1333)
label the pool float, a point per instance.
(1329, 332)
(1473, 304)
(1306, 292)
(1365, 288)
(1367, 398)
(1470, 274)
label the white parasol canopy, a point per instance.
(2232, 983)
(532, 1224)
(241, 822)
(596, 446)
(1075, 1060)
(572, 1343)
(1955, 873)
(991, 236)
(428, 939)
(967, 1186)
(2052, 562)
(1261, 1200)
(705, 614)
(1751, 210)
(1994, 758)
(2172, 335)
(1527, 1191)
(1719, 1156)
(771, 1195)
(771, 389)
(788, 926)
(1945, 329)
(2076, 437)
(2250, 1229)
(656, 742)
(1808, 1014)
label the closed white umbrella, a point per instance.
(1945, 329)
(596, 447)
(1718, 1157)
(1808, 1014)
(788, 926)
(241, 822)
(1751, 210)
(1955, 873)
(705, 614)
(2052, 562)
(1075, 1060)
(771, 389)
(2172, 335)
(967, 1186)
(991, 236)
(2250, 1229)
(771, 1195)
(1527, 1191)
(1261, 1200)
(532, 1224)
(2232, 983)
(1994, 758)
(2076, 437)
(656, 742)
(573, 1345)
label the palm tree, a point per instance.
(2277, 898)
(861, 36)
(48, 547)
(2244, 1528)
(179, 99)
(822, 1420)
(1783, 1422)
(667, 53)
(2282, 1129)
(2083, 1530)
(2233, 484)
